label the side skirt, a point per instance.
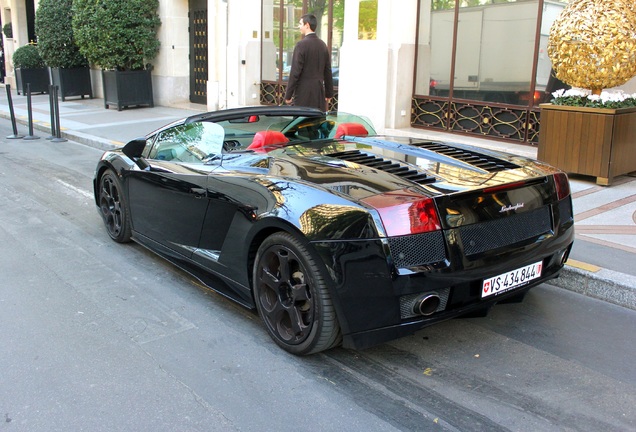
(216, 282)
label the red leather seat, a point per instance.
(267, 140)
(354, 129)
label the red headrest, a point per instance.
(267, 140)
(355, 129)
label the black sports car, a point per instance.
(334, 234)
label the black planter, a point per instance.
(127, 88)
(38, 79)
(72, 81)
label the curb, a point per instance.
(607, 285)
(602, 284)
(78, 137)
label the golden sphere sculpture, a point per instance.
(592, 43)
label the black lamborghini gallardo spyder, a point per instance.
(334, 234)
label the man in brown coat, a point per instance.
(310, 82)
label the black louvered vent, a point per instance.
(488, 163)
(379, 163)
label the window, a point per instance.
(280, 33)
(195, 142)
(485, 54)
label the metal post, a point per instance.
(30, 136)
(52, 111)
(58, 133)
(15, 128)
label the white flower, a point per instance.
(582, 97)
(576, 93)
(616, 96)
(558, 93)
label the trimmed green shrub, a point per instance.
(27, 57)
(53, 26)
(7, 29)
(117, 34)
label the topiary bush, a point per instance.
(54, 29)
(7, 29)
(117, 34)
(27, 57)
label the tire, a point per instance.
(114, 208)
(292, 298)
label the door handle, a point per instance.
(198, 192)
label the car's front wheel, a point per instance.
(113, 207)
(292, 297)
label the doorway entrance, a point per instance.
(198, 17)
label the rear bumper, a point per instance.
(367, 289)
(369, 338)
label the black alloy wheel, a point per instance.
(113, 208)
(292, 297)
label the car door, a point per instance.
(169, 199)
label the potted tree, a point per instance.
(69, 68)
(29, 68)
(120, 36)
(587, 130)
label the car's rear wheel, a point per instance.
(113, 208)
(292, 297)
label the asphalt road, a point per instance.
(98, 336)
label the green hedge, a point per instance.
(53, 26)
(117, 34)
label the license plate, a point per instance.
(512, 279)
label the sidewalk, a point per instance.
(602, 263)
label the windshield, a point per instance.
(262, 133)
(192, 143)
(206, 141)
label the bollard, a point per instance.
(52, 111)
(30, 136)
(56, 103)
(15, 128)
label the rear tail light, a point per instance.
(562, 185)
(403, 212)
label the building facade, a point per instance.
(476, 67)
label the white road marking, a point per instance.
(75, 189)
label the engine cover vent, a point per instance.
(485, 162)
(382, 164)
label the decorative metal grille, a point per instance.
(273, 93)
(199, 56)
(476, 118)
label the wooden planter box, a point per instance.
(597, 142)
(127, 88)
(38, 79)
(72, 82)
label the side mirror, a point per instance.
(134, 149)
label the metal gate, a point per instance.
(198, 17)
